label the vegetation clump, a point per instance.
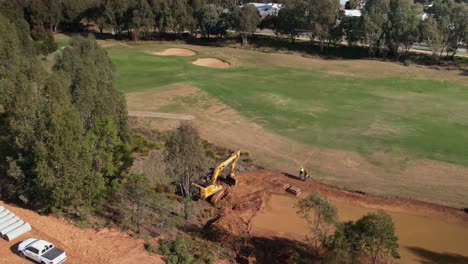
(370, 237)
(66, 133)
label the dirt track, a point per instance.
(426, 228)
(161, 115)
(81, 245)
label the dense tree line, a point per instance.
(64, 131)
(386, 26)
(138, 18)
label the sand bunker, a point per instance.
(176, 52)
(212, 63)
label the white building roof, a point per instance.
(353, 12)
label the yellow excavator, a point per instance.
(210, 187)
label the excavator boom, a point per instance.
(231, 160)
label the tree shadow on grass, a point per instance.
(431, 257)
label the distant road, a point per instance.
(416, 46)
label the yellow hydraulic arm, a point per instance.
(207, 190)
(231, 160)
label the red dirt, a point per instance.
(243, 202)
(82, 245)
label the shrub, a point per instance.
(372, 236)
(150, 248)
(165, 247)
(407, 62)
(142, 145)
(164, 188)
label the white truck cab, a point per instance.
(41, 251)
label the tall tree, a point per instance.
(47, 13)
(288, 22)
(458, 29)
(344, 247)
(117, 13)
(372, 236)
(208, 18)
(142, 17)
(433, 37)
(163, 14)
(182, 14)
(374, 21)
(451, 20)
(185, 159)
(137, 193)
(321, 216)
(20, 82)
(325, 17)
(246, 21)
(403, 28)
(91, 81)
(377, 236)
(352, 29)
(62, 158)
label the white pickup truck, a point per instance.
(41, 251)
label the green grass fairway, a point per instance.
(409, 117)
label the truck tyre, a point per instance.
(21, 254)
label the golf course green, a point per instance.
(410, 117)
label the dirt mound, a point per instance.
(238, 207)
(212, 63)
(82, 245)
(176, 52)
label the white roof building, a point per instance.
(267, 9)
(353, 12)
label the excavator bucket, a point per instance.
(231, 180)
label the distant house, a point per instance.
(267, 9)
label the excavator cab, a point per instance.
(209, 185)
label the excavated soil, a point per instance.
(81, 245)
(212, 63)
(176, 52)
(258, 220)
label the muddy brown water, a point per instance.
(422, 239)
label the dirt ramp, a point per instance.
(176, 52)
(212, 63)
(241, 203)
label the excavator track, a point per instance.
(217, 196)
